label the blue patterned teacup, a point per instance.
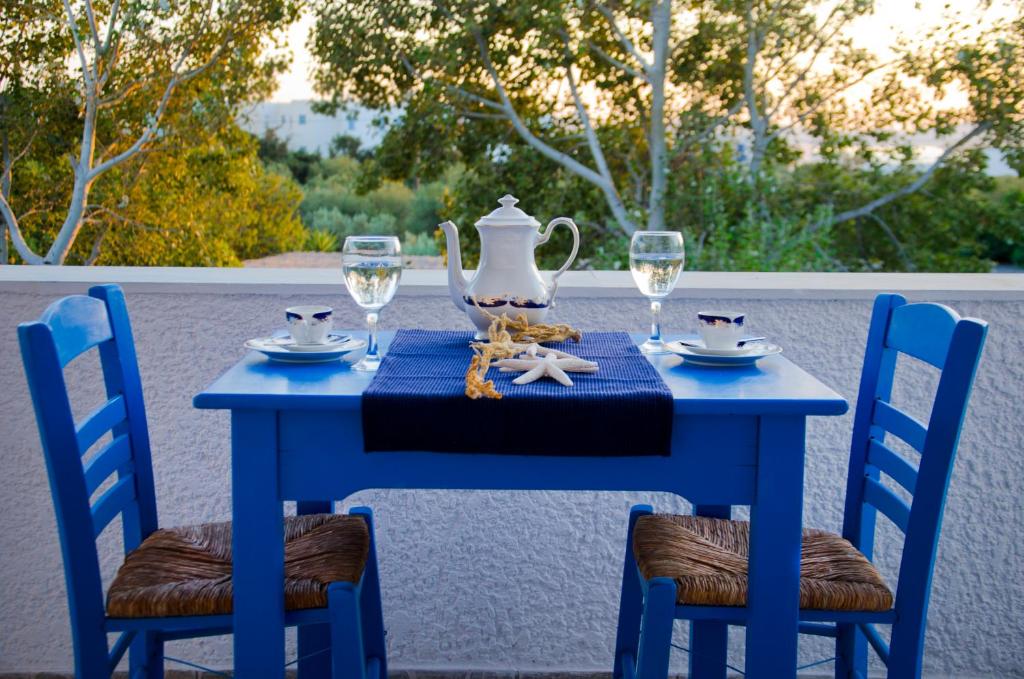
(309, 324)
(720, 329)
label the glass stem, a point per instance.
(655, 322)
(371, 341)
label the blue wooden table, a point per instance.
(738, 439)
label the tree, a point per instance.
(140, 71)
(621, 95)
(207, 202)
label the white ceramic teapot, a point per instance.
(507, 280)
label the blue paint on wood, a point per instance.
(67, 329)
(715, 410)
(931, 333)
(775, 386)
(709, 639)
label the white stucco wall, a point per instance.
(502, 580)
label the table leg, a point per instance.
(258, 545)
(709, 640)
(314, 640)
(775, 530)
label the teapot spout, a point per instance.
(456, 278)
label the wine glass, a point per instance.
(372, 267)
(656, 260)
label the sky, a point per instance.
(876, 32)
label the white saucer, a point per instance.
(284, 349)
(334, 340)
(748, 356)
(707, 351)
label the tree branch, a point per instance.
(598, 179)
(125, 91)
(569, 163)
(758, 124)
(16, 238)
(640, 75)
(110, 24)
(623, 39)
(804, 44)
(692, 139)
(588, 130)
(93, 30)
(821, 42)
(147, 134)
(913, 186)
(454, 89)
(87, 73)
(908, 263)
(829, 97)
(95, 254)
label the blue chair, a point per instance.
(694, 567)
(176, 583)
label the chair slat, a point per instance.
(897, 422)
(876, 641)
(887, 502)
(901, 471)
(112, 457)
(120, 647)
(78, 323)
(923, 331)
(112, 502)
(99, 422)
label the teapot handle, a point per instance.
(572, 255)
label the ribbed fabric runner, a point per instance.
(417, 401)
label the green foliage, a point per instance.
(209, 205)
(340, 225)
(487, 87)
(1001, 221)
(322, 241)
(418, 244)
(333, 200)
(145, 109)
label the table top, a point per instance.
(774, 386)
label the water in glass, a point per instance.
(656, 274)
(373, 267)
(372, 282)
(656, 260)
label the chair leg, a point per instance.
(631, 601)
(370, 600)
(314, 650)
(146, 657)
(709, 649)
(348, 660)
(314, 641)
(851, 652)
(709, 640)
(656, 629)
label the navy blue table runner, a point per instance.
(417, 401)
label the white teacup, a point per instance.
(720, 329)
(309, 324)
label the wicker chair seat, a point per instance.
(187, 571)
(707, 559)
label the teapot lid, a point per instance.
(508, 215)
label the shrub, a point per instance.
(322, 241)
(419, 244)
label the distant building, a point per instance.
(295, 122)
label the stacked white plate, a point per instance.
(694, 351)
(285, 350)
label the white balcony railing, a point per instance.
(525, 581)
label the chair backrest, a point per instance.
(68, 328)
(936, 335)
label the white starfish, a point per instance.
(545, 367)
(553, 365)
